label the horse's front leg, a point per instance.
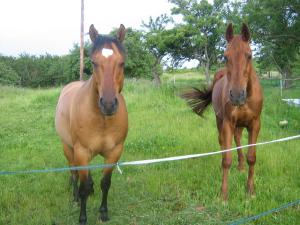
(253, 131)
(111, 158)
(226, 140)
(237, 138)
(69, 153)
(82, 158)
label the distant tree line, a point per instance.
(274, 25)
(48, 70)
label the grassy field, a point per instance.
(160, 125)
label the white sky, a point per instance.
(53, 26)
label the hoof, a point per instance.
(82, 222)
(241, 168)
(76, 197)
(92, 191)
(250, 189)
(224, 203)
(104, 216)
(224, 197)
(251, 194)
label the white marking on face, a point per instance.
(106, 52)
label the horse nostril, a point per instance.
(116, 103)
(230, 92)
(243, 94)
(101, 103)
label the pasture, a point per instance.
(160, 125)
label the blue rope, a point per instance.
(245, 220)
(90, 167)
(141, 162)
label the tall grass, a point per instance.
(160, 125)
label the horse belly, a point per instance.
(62, 128)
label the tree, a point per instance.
(201, 32)
(276, 28)
(139, 60)
(157, 42)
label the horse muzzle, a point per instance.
(108, 108)
(237, 98)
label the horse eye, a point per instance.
(122, 64)
(94, 64)
(249, 56)
(225, 59)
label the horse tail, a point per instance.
(198, 99)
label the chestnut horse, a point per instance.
(91, 117)
(237, 99)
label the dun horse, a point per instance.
(91, 117)
(237, 100)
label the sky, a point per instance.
(38, 27)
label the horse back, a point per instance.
(219, 83)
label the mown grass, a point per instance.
(160, 125)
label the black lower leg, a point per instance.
(105, 185)
(85, 189)
(91, 181)
(74, 183)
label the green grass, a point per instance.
(160, 125)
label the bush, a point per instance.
(8, 76)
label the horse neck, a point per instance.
(252, 80)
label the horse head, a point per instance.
(108, 58)
(238, 58)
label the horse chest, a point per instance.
(100, 137)
(243, 116)
(106, 139)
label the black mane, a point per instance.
(107, 40)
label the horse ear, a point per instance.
(245, 33)
(93, 33)
(121, 33)
(229, 32)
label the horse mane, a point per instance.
(107, 40)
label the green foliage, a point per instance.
(7, 75)
(276, 27)
(41, 71)
(72, 61)
(202, 31)
(157, 40)
(47, 70)
(139, 61)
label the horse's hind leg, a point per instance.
(237, 138)
(69, 153)
(106, 181)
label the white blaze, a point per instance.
(106, 52)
